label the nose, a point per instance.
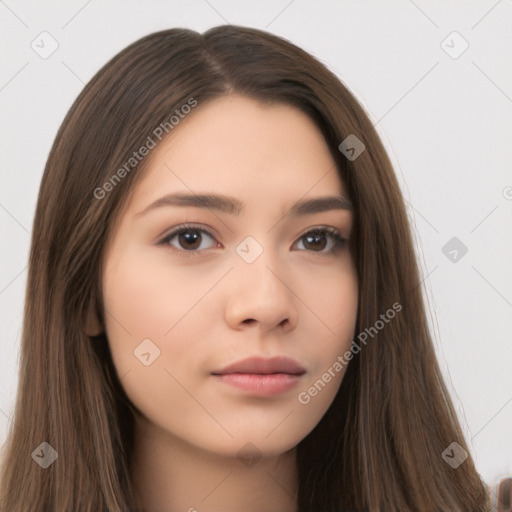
(261, 295)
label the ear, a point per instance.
(92, 326)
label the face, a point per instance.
(191, 287)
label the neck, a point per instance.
(172, 475)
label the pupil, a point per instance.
(316, 239)
(192, 238)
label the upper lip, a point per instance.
(264, 366)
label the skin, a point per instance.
(212, 308)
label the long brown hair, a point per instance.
(380, 445)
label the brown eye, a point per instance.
(315, 242)
(318, 240)
(188, 239)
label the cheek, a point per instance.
(334, 305)
(145, 300)
(147, 297)
(155, 325)
(332, 301)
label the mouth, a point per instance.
(261, 384)
(264, 366)
(262, 377)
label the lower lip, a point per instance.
(263, 385)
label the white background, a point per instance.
(445, 121)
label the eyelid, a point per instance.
(186, 224)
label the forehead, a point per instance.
(240, 146)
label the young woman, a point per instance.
(224, 309)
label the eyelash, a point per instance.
(339, 241)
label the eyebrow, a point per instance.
(234, 206)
